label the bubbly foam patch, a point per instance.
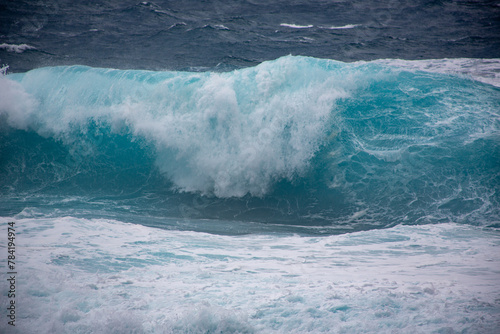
(96, 275)
(16, 105)
(347, 26)
(296, 26)
(484, 70)
(17, 48)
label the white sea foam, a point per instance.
(221, 27)
(347, 26)
(296, 26)
(15, 103)
(484, 70)
(216, 26)
(16, 48)
(103, 275)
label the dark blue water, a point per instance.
(201, 35)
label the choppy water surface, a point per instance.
(274, 167)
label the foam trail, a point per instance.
(484, 70)
(347, 26)
(296, 26)
(16, 48)
(135, 279)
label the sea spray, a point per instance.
(296, 140)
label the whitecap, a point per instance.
(296, 26)
(347, 26)
(483, 70)
(16, 48)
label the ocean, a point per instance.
(250, 166)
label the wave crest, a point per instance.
(226, 134)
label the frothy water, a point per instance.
(206, 167)
(104, 276)
(298, 195)
(298, 140)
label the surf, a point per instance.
(297, 140)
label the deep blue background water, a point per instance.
(200, 35)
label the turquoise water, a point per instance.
(301, 195)
(250, 166)
(295, 141)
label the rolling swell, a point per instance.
(298, 140)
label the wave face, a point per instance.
(298, 140)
